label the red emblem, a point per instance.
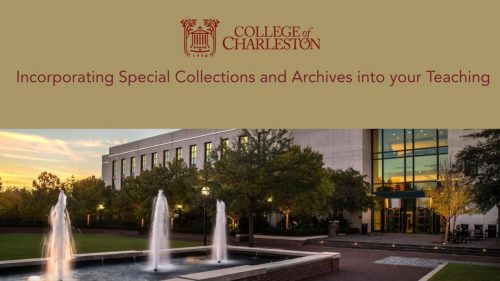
(199, 40)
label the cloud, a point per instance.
(23, 156)
(96, 143)
(30, 144)
(16, 179)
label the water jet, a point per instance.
(160, 232)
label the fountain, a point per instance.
(59, 247)
(189, 263)
(219, 247)
(159, 237)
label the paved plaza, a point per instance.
(369, 264)
(374, 265)
(412, 239)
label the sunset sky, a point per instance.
(24, 154)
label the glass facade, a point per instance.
(404, 163)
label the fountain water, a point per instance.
(219, 247)
(59, 247)
(159, 237)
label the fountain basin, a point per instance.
(256, 264)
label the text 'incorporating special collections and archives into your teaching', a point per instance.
(201, 76)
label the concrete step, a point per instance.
(441, 249)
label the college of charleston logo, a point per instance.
(200, 38)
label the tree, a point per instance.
(242, 169)
(0, 184)
(43, 196)
(122, 206)
(451, 198)
(48, 181)
(87, 195)
(177, 181)
(180, 187)
(350, 191)
(481, 165)
(11, 203)
(298, 178)
(234, 210)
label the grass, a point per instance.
(29, 245)
(467, 272)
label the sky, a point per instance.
(25, 153)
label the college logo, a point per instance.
(200, 38)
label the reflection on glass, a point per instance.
(377, 141)
(425, 138)
(409, 169)
(443, 137)
(425, 185)
(425, 151)
(426, 168)
(394, 170)
(409, 140)
(423, 202)
(377, 171)
(402, 157)
(393, 140)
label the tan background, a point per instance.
(143, 36)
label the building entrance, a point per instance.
(409, 216)
(409, 221)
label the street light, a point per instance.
(205, 191)
(100, 208)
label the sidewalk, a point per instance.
(430, 243)
(412, 239)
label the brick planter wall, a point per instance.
(299, 272)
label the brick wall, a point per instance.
(299, 272)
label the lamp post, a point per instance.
(205, 191)
(100, 208)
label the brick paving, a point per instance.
(360, 264)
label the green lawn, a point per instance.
(29, 245)
(467, 272)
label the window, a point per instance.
(243, 141)
(123, 169)
(407, 159)
(192, 155)
(166, 157)
(208, 152)
(225, 144)
(113, 173)
(154, 160)
(132, 166)
(178, 153)
(143, 162)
